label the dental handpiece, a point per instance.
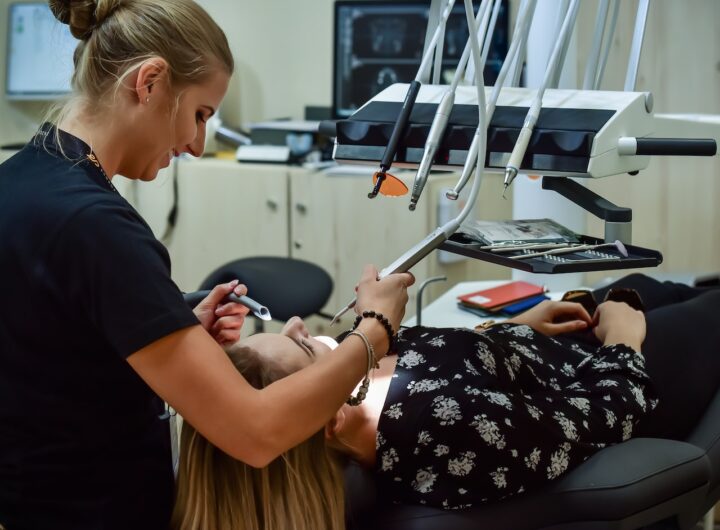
(259, 310)
(405, 262)
(442, 114)
(522, 26)
(431, 145)
(520, 148)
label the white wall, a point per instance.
(284, 53)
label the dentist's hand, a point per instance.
(387, 296)
(222, 320)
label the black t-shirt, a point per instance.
(83, 285)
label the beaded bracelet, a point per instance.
(354, 401)
(384, 321)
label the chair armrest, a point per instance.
(644, 479)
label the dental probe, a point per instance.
(521, 145)
(404, 116)
(259, 310)
(522, 25)
(440, 234)
(442, 114)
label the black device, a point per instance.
(378, 43)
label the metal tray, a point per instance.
(581, 261)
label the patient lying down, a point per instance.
(454, 419)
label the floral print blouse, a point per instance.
(474, 417)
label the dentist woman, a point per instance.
(94, 334)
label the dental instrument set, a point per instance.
(522, 27)
(442, 114)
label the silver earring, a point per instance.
(147, 99)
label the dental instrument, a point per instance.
(442, 114)
(528, 246)
(520, 148)
(617, 244)
(442, 233)
(259, 310)
(522, 26)
(404, 115)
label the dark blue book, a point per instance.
(524, 305)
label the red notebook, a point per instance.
(501, 295)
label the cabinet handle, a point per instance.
(301, 208)
(272, 204)
(297, 244)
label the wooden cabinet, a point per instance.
(225, 212)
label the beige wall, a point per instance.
(676, 200)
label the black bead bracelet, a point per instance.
(384, 321)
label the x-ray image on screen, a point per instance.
(39, 56)
(381, 43)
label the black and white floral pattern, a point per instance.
(475, 417)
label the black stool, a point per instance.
(286, 286)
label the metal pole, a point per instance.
(636, 47)
(594, 56)
(608, 44)
(418, 302)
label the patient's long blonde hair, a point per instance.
(300, 490)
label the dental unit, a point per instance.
(552, 132)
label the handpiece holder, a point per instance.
(618, 219)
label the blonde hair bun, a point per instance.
(83, 16)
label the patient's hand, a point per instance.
(222, 321)
(552, 318)
(618, 323)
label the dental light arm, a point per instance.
(410, 97)
(442, 114)
(442, 233)
(522, 27)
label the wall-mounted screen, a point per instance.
(39, 61)
(378, 43)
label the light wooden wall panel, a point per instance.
(675, 200)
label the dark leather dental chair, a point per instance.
(642, 483)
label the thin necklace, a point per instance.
(93, 159)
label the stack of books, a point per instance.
(505, 300)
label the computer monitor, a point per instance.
(378, 43)
(39, 62)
